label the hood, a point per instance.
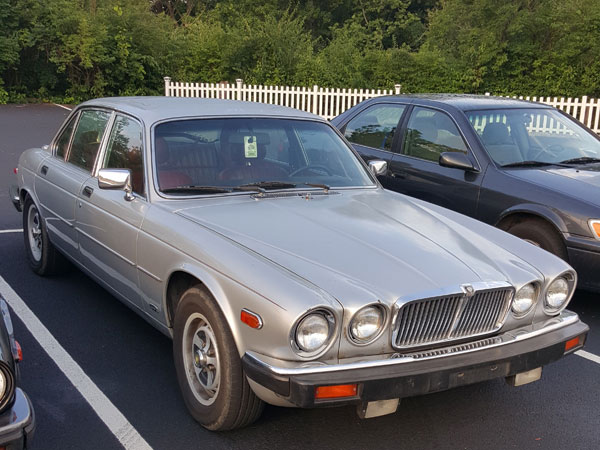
(576, 181)
(360, 245)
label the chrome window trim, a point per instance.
(54, 143)
(104, 147)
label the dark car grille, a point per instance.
(451, 317)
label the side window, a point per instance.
(87, 138)
(431, 133)
(124, 151)
(62, 143)
(375, 126)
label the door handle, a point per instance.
(87, 191)
(44, 170)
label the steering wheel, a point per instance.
(313, 167)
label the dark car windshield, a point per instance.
(540, 135)
(207, 156)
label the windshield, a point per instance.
(206, 156)
(536, 135)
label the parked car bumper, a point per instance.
(405, 375)
(13, 192)
(18, 423)
(584, 256)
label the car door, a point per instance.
(372, 132)
(61, 176)
(416, 170)
(108, 223)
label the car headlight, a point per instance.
(524, 300)
(557, 295)
(366, 324)
(7, 385)
(313, 331)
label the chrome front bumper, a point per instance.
(18, 423)
(403, 375)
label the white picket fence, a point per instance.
(330, 102)
(325, 102)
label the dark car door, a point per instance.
(372, 132)
(415, 168)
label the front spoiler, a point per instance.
(399, 376)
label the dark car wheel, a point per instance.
(541, 234)
(208, 365)
(44, 258)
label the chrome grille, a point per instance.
(450, 317)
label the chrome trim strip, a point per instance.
(150, 274)
(565, 319)
(104, 246)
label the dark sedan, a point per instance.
(17, 420)
(525, 167)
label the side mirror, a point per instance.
(456, 160)
(116, 179)
(378, 167)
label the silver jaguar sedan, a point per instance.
(257, 239)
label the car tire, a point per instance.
(540, 234)
(208, 365)
(44, 259)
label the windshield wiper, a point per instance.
(530, 164)
(266, 185)
(198, 189)
(581, 160)
(319, 185)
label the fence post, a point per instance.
(397, 89)
(238, 85)
(314, 99)
(487, 94)
(167, 86)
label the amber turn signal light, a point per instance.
(596, 228)
(572, 343)
(251, 319)
(19, 353)
(336, 391)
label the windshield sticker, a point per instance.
(250, 147)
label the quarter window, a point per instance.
(375, 126)
(431, 133)
(88, 136)
(124, 151)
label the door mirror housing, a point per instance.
(456, 160)
(116, 179)
(378, 167)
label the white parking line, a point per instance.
(588, 355)
(102, 406)
(61, 106)
(12, 231)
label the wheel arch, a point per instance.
(519, 213)
(186, 276)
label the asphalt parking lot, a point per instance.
(130, 363)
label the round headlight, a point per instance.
(366, 324)
(3, 384)
(557, 294)
(524, 300)
(312, 332)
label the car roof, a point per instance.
(154, 109)
(466, 102)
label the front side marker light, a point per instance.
(251, 319)
(574, 343)
(595, 227)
